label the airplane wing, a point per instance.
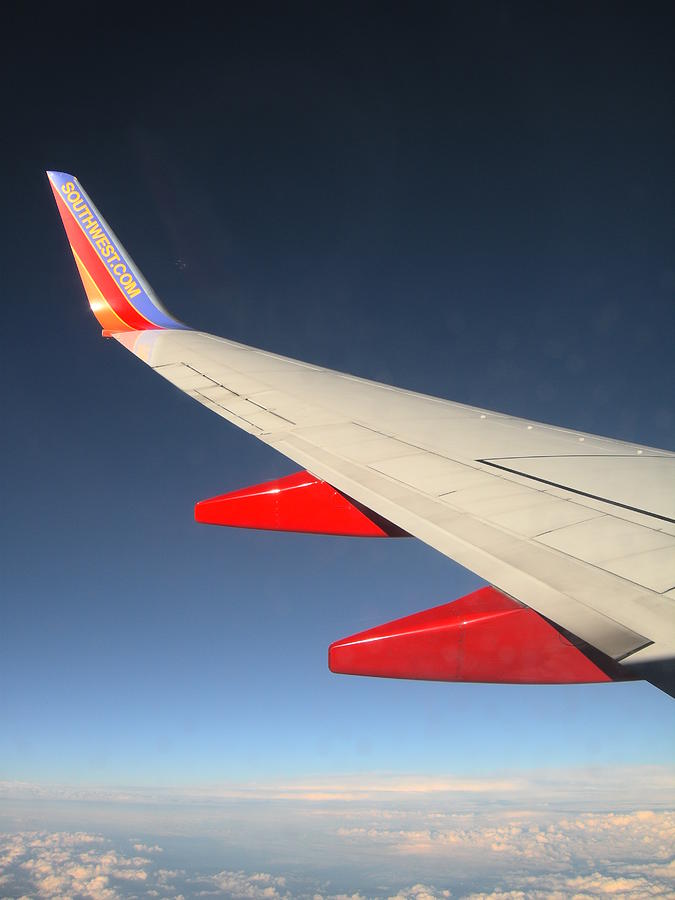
(574, 533)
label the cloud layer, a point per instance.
(591, 855)
(576, 833)
(529, 837)
(66, 865)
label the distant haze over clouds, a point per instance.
(587, 832)
(614, 787)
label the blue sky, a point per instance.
(472, 202)
(365, 221)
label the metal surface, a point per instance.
(617, 616)
(299, 502)
(485, 636)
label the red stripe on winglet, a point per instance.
(98, 270)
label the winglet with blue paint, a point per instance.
(119, 296)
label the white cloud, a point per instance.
(529, 838)
(627, 886)
(419, 892)
(259, 886)
(145, 848)
(66, 864)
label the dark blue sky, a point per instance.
(470, 200)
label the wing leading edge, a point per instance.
(579, 528)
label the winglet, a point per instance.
(119, 296)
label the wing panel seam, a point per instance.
(580, 493)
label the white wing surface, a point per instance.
(578, 527)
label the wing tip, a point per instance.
(53, 174)
(118, 294)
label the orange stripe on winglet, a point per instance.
(110, 291)
(106, 316)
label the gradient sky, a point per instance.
(470, 200)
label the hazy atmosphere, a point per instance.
(473, 201)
